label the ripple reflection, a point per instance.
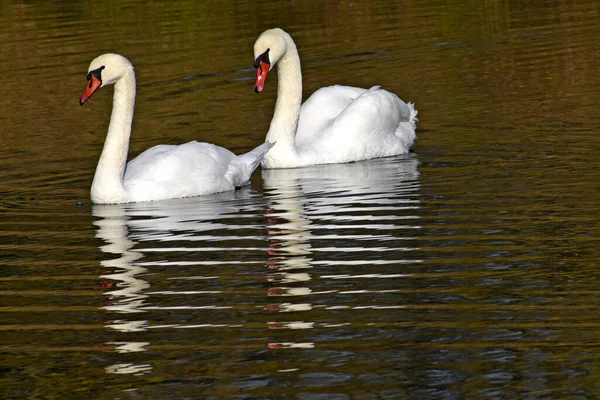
(314, 258)
(333, 230)
(135, 231)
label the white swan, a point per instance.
(163, 171)
(336, 124)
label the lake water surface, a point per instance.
(467, 269)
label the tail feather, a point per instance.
(413, 113)
(241, 168)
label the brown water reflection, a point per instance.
(467, 270)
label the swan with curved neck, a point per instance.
(337, 124)
(163, 171)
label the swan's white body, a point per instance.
(163, 171)
(337, 124)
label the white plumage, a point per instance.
(163, 171)
(336, 124)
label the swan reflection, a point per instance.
(123, 228)
(323, 233)
(128, 294)
(338, 217)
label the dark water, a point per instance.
(465, 270)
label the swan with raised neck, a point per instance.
(163, 171)
(337, 124)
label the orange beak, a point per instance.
(93, 85)
(261, 76)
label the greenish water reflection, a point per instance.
(467, 270)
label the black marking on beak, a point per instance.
(264, 57)
(97, 73)
(94, 83)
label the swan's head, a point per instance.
(104, 70)
(270, 46)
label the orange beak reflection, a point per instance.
(261, 76)
(93, 85)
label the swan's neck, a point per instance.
(108, 182)
(289, 97)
